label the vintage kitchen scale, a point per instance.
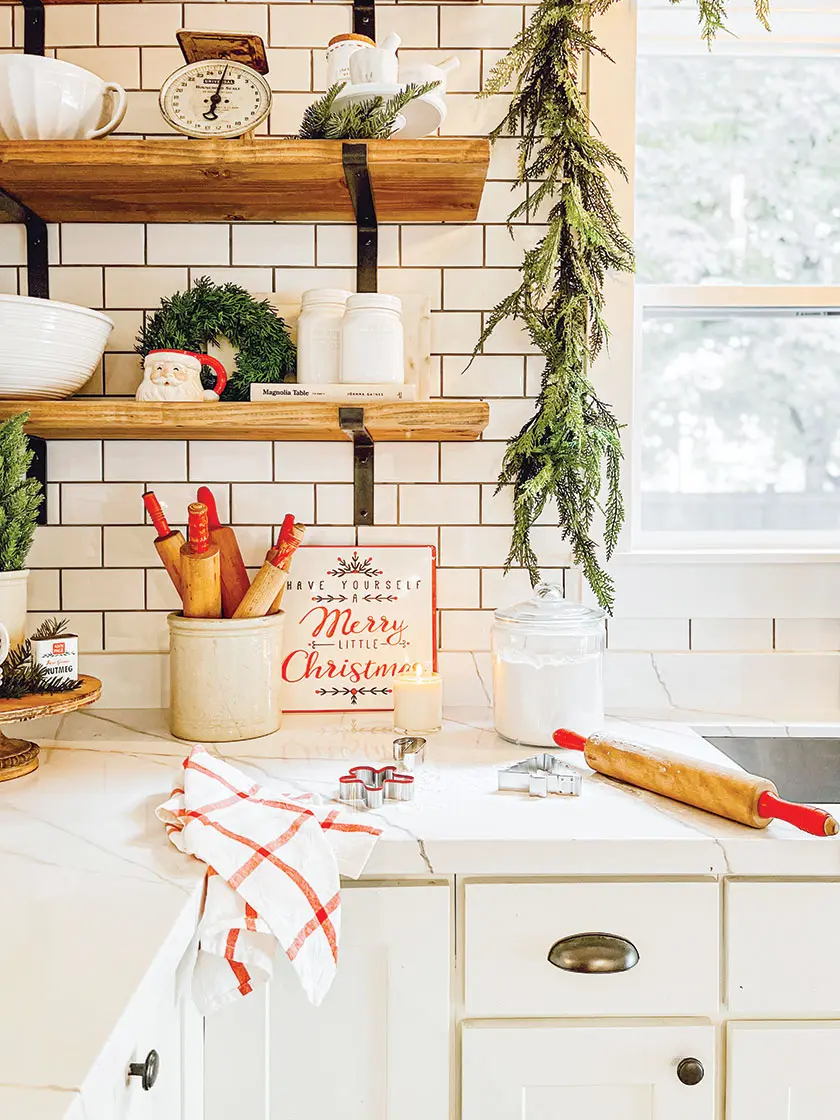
(222, 92)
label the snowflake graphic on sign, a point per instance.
(353, 623)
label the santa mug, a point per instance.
(175, 375)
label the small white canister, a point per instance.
(372, 347)
(319, 336)
(340, 49)
(225, 677)
(548, 659)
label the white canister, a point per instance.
(548, 659)
(339, 51)
(319, 336)
(372, 348)
(13, 587)
(225, 677)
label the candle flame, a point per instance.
(418, 670)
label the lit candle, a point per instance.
(418, 700)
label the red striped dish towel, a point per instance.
(274, 866)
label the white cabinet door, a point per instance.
(378, 1046)
(787, 1071)
(586, 1072)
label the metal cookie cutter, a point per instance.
(541, 775)
(365, 783)
(410, 752)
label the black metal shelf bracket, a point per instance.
(357, 175)
(33, 26)
(364, 18)
(38, 470)
(352, 420)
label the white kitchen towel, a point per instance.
(274, 866)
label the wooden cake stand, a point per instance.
(20, 756)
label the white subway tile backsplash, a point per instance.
(136, 631)
(438, 505)
(465, 630)
(230, 461)
(484, 376)
(289, 70)
(194, 244)
(455, 332)
(142, 287)
(99, 503)
(313, 462)
(406, 462)
(73, 25)
(130, 546)
(472, 545)
(122, 374)
(470, 289)
(731, 633)
(336, 246)
(126, 327)
(269, 502)
(43, 590)
(334, 503)
(398, 534)
(285, 244)
(66, 546)
(137, 460)
(466, 25)
(157, 63)
(385, 504)
(804, 634)
(647, 633)
(102, 589)
(175, 497)
(433, 246)
(111, 64)
(416, 24)
(74, 460)
(252, 18)
(139, 24)
(470, 462)
(76, 285)
(160, 594)
(458, 588)
(306, 25)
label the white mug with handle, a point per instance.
(49, 99)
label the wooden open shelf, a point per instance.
(432, 180)
(98, 418)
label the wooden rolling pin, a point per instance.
(201, 580)
(728, 793)
(235, 580)
(286, 530)
(168, 541)
(269, 580)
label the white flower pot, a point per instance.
(13, 604)
(225, 677)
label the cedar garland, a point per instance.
(569, 452)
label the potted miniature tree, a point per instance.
(20, 500)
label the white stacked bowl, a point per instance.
(48, 350)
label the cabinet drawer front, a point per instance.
(673, 927)
(781, 948)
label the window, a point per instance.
(736, 438)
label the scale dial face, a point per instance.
(215, 98)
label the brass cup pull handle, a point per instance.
(593, 952)
(147, 1071)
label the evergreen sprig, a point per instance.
(20, 676)
(569, 452)
(712, 16)
(20, 497)
(209, 312)
(373, 119)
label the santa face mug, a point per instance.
(175, 375)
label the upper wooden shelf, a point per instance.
(104, 418)
(432, 180)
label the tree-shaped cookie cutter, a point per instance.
(372, 786)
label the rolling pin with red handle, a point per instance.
(269, 580)
(168, 541)
(728, 793)
(235, 578)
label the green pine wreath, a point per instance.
(209, 312)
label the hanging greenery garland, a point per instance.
(210, 312)
(569, 452)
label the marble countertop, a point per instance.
(97, 904)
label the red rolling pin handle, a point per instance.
(205, 495)
(153, 508)
(569, 739)
(809, 819)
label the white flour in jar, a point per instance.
(534, 696)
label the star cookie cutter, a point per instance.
(541, 775)
(372, 786)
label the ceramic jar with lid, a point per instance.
(372, 350)
(319, 336)
(548, 659)
(339, 52)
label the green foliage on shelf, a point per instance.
(20, 497)
(569, 452)
(21, 677)
(373, 119)
(208, 313)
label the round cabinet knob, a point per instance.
(690, 1071)
(148, 1071)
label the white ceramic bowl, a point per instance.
(49, 99)
(49, 349)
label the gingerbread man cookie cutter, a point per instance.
(372, 786)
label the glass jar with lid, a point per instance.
(372, 350)
(548, 659)
(319, 336)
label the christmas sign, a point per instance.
(355, 619)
